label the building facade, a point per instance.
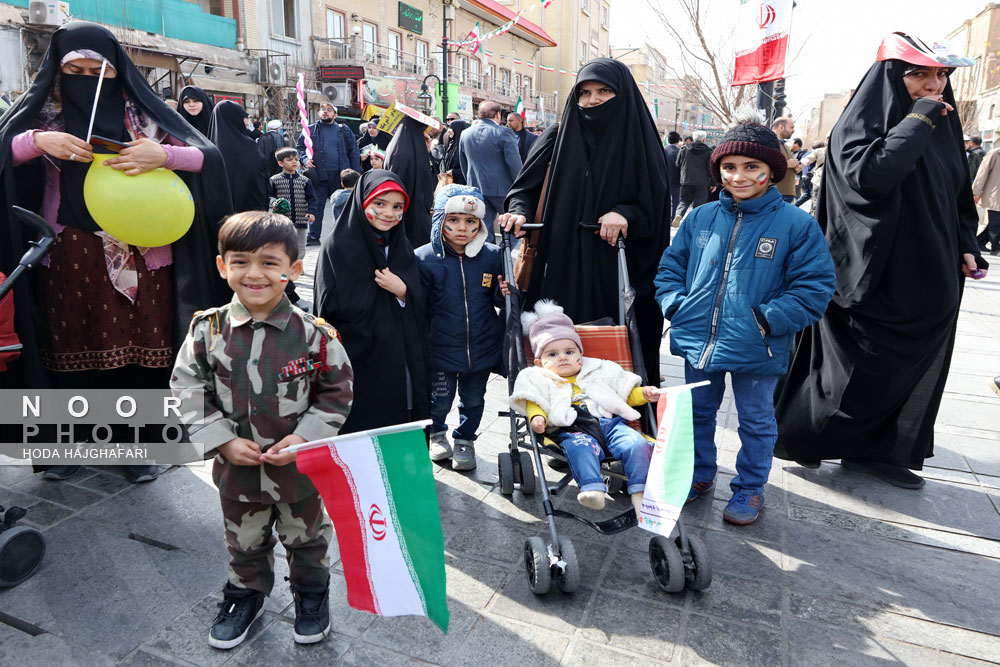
(977, 88)
(821, 119)
(582, 30)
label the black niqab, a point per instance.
(245, 167)
(204, 117)
(408, 158)
(197, 284)
(896, 207)
(600, 159)
(386, 343)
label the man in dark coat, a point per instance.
(975, 152)
(673, 171)
(489, 159)
(524, 138)
(695, 175)
(334, 150)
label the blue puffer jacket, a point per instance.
(463, 293)
(738, 281)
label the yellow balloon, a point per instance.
(151, 209)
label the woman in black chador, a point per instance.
(896, 206)
(101, 313)
(194, 106)
(407, 157)
(368, 287)
(246, 169)
(606, 166)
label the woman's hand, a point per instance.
(508, 221)
(939, 98)
(390, 282)
(142, 155)
(970, 268)
(538, 424)
(611, 224)
(504, 286)
(64, 146)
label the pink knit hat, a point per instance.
(546, 324)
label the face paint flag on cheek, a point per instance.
(762, 178)
(284, 278)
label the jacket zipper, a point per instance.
(465, 300)
(763, 337)
(717, 307)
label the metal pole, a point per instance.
(765, 100)
(444, 64)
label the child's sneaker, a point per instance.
(699, 489)
(440, 447)
(312, 613)
(464, 456)
(743, 508)
(237, 613)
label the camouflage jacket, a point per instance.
(261, 380)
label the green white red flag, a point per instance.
(762, 40)
(672, 465)
(519, 107)
(378, 488)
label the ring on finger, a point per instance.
(72, 156)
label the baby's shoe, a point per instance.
(464, 456)
(440, 448)
(592, 499)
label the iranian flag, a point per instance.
(672, 465)
(762, 40)
(519, 107)
(378, 488)
(476, 35)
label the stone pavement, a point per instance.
(840, 569)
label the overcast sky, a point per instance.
(837, 38)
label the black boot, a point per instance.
(312, 613)
(237, 613)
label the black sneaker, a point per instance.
(140, 474)
(60, 472)
(237, 613)
(312, 613)
(312, 240)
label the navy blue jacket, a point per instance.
(463, 294)
(325, 169)
(488, 155)
(759, 270)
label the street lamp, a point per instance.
(450, 7)
(425, 98)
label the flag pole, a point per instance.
(97, 96)
(385, 430)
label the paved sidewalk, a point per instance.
(841, 568)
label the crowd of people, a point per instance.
(836, 332)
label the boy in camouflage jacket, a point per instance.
(267, 375)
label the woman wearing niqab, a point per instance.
(604, 161)
(201, 118)
(246, 169)
(407, 157)
(386, 340)
(896, 206)
(450, 162)
(99, 312)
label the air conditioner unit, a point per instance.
(271, 72)
(338, 93)
(47, 12)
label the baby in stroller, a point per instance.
(582, 403)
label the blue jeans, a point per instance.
(471, 399)
(584, 454)
(754, 396)
(323, 191)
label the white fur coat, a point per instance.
(606, 384)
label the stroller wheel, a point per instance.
(666, 563)
(699, 573)
(616, 485)
(527, 474)
(506, 470)
(536, 565)
(569, 579)
(21, 551)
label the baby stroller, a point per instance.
(675, 563)
(21, 547)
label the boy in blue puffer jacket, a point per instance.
(460, 273)
(740, 278)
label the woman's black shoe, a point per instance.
(139, 474)
(812, 465)
(60, 472)
(887, 472)
(237, 613)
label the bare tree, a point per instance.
(705, 61)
